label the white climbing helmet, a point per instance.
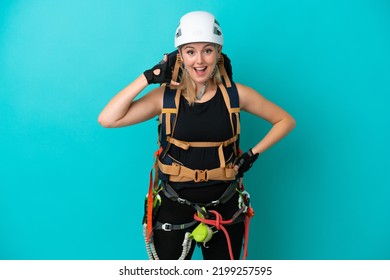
(196, 27)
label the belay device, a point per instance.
(164, 170)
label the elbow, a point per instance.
(292, 123)
(105, 122)
(288, 122)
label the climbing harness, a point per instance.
(165, 170)
(209, 221)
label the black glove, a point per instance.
(164, 76)
(172, 59)
(245, 161)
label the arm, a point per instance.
(282, 122)
(122, 110)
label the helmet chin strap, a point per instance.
(203, 89)
(201, 92)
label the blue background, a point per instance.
(70, 189)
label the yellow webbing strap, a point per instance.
(221, 157)
(232, 111)
(185, 145)
(176, 68)
(180, 173)
(168, 112)
(238, 127)
(168, 123)
(223, 72)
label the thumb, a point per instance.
(165, 58)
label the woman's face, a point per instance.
(199, 60)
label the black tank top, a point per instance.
(202, 122)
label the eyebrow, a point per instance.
(191, 47)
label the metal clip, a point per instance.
(167, 227)
(214, 203)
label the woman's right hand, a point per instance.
(160, 73)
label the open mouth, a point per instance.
(200, 70)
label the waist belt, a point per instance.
(170, 193)
(170, 227)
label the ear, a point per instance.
(219, 51)
(181, 56)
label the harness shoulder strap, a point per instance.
(230, 95)
(168, 114)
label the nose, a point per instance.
(199, 58)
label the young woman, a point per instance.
(200, 167)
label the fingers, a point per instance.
(164, 60)
(173, 83)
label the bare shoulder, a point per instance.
(255, 103)
(249, 97)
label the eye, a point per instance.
(190, 52)
(208, 50)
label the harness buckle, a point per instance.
(200, 175)
(181, 200)
(215, 202)
(166, 227)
